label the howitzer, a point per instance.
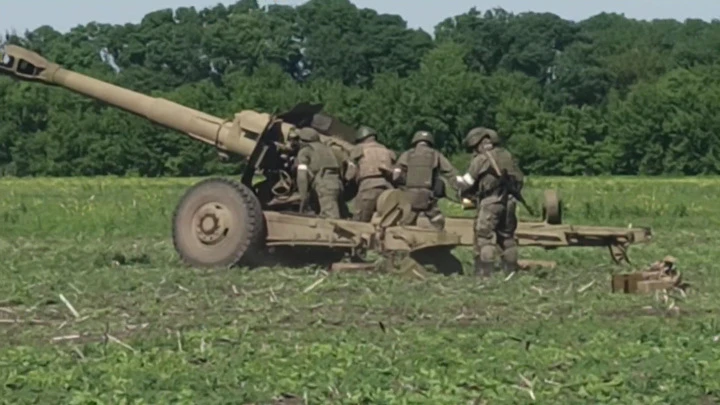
(223, 222)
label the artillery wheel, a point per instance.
(217, 223)
(552, 208)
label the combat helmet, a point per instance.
(477, 134)
(421, 136)
(364, 132)
(308, 134)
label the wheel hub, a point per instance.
(211, 223)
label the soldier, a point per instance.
(496, 220)
(370, 164)
(342, 157)
(421, 167)
(318, 170)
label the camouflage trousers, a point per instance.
(423, 202)
(327, 191)
(495, 226)
(433, 214)
(366, 203)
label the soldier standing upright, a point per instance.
(370, 164)
(491, 179)
(319, 171)
(418, 170)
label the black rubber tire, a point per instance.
(244, 242)
(552, 207)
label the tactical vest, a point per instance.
(323, 159)
(374, 156)
(421, 162)
(503, 158)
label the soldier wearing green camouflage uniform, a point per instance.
(370, 164)
(496, 220)
(318, 171)
(342, 157)
(421, 167)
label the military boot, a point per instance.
(482, 268)
(509, 259)
(509, 267)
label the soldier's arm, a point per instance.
(448, 171)
(478, 167)
(388, 171)
(393, 156)
(352, 164)
(303, 173)
(446, 168)
(400, 166)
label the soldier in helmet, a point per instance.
(318, 170)
(420, 168)
(496, 220)
(370, 164)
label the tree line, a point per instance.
(606, 95)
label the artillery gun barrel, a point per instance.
(225, 135)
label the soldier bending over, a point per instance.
(370, 164)
(318, 170)
(421, 167)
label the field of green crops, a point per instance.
(96, 309)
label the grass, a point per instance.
(149, 331)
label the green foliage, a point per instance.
(152, 331)
(607, 95)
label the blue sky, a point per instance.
(30, 14)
